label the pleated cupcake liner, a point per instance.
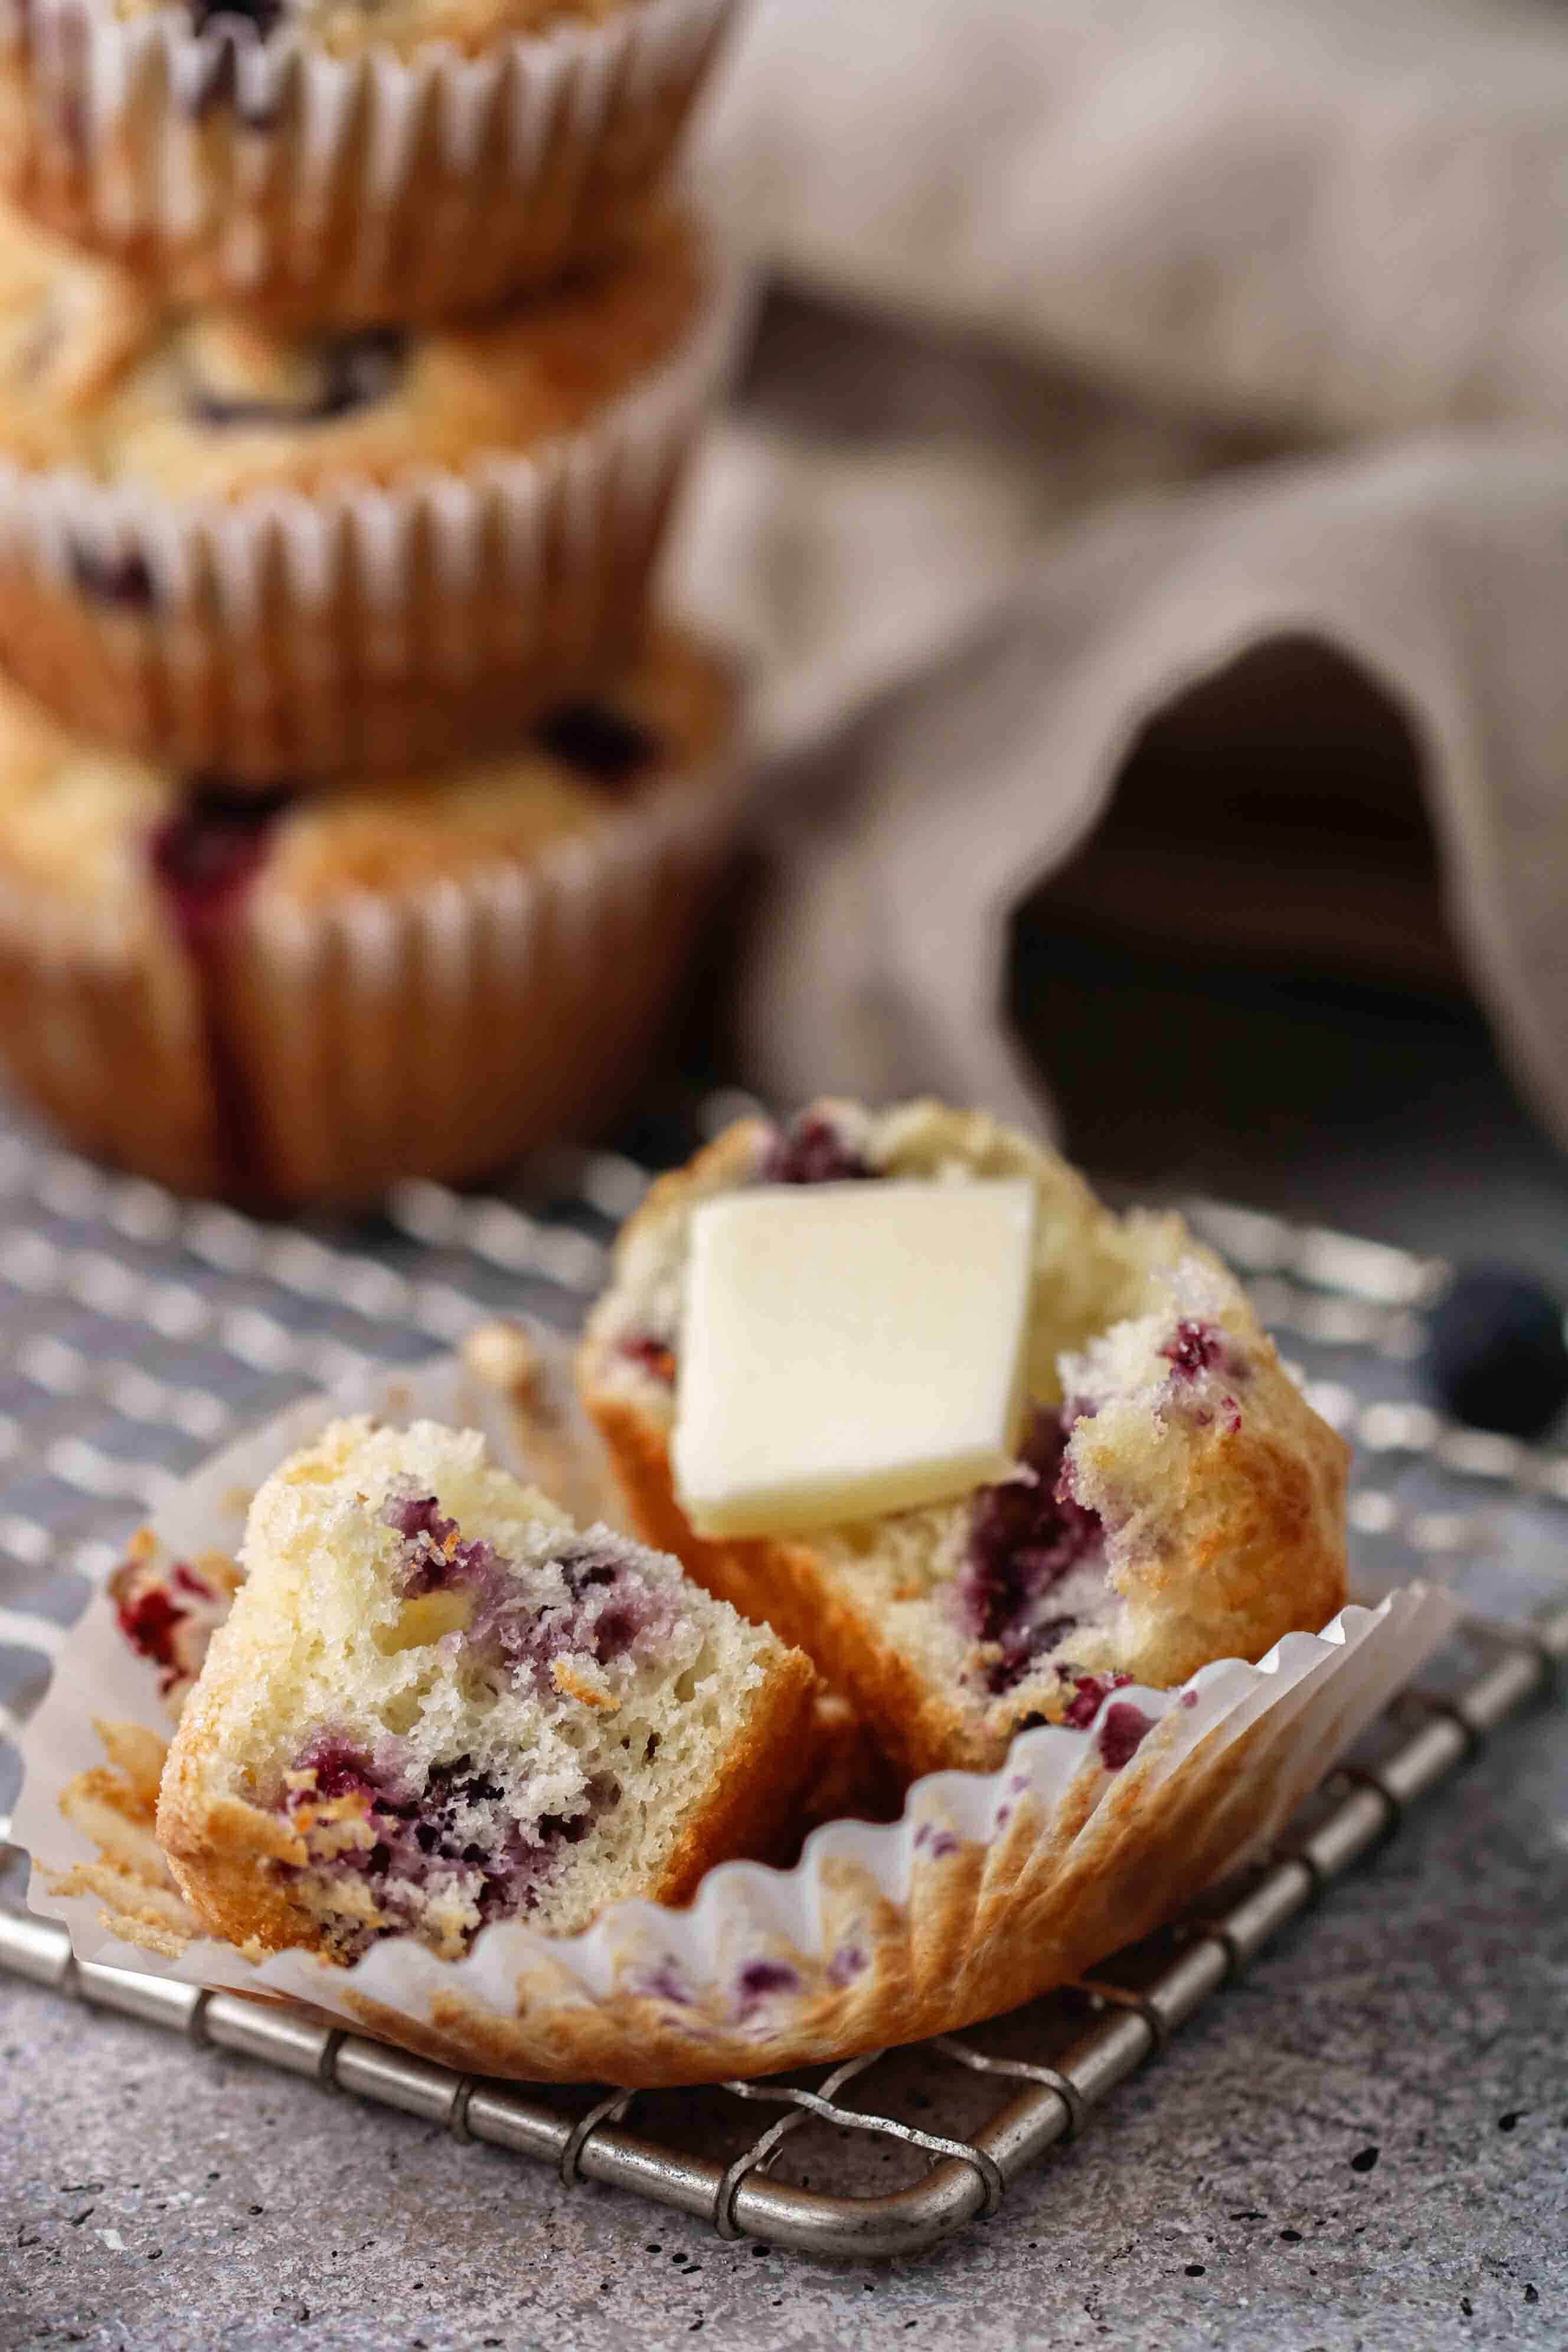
(370, 627)
(375, 188)
(988, 1890)
(319, 1052)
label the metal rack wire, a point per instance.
(147, 1330)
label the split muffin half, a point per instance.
(437, 1703)
(1172, 1498)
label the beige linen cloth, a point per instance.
(1137, 337)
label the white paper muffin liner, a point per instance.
(441, 1028)
(368, 189)
(373, 627)
(989, 1889)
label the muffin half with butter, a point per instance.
(898, 1384)
(296, 555)
(294, 996)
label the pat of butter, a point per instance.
(848, 1349)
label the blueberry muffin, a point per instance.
(1175, 1499)
(437, 1703)
(282, 555)
(325, 161)
(319, 993)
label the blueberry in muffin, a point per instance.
(437, 1703)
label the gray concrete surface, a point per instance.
(156, 2196)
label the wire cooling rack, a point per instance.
(142, 1332)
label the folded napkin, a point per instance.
(1128, 345)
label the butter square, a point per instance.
(849, 1350)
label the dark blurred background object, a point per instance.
(1258, 930)
(1497, 1352)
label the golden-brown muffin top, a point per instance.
(95, 374)
(114, 840)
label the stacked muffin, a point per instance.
(336, 456)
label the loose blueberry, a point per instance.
(1496, 1355)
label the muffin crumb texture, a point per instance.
(1174, 1500)
(437, 1703)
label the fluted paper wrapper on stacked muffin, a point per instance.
(388, 182)
(428, 976)
(990, 1888)
(370, 624)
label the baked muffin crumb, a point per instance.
(1175, 1500)
(437, 1703)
